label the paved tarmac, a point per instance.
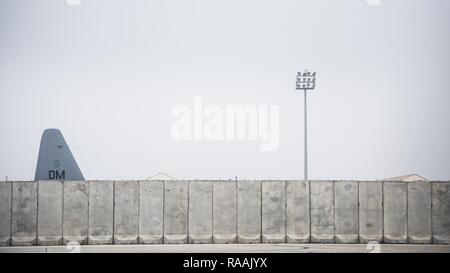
(235, 248)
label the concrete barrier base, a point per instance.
(419, 240)
(394, 240)
(322, 239)
(100, 240)
(441, 240)
(249, 239)
(274, 239)
(231, 248)
(23, 241)
(49, 240)
(297, 239)
(225, 239)
(150, 239)
(125, 240)
(175, 239)
(5, 241)
(82, 240)
(367, 239)
(200, 239)
(347, 239)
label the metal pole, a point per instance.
(306, 145)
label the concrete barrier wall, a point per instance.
(441, 212)
(5, 213)
(176, 212)
(322, 212)
(224, 212)
(50, 195)
(130, 212)
(370, 212)
(24, 214)
(200, 212)
(395, 212)
(151, 212)
(126, 212)
(273, 211)
(419, 216)
(75, 212)
(101, 214)
(297, 212)
(249, 212)
(346, 211)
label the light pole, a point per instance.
(306, 81)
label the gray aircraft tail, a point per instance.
(55, 161)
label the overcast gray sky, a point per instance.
(108, 73)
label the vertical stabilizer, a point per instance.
(55, 161)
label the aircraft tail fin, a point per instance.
(55, 161)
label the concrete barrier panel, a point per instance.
(249, 212)
(126, 212)
(224, 212)
(50, 204)
(151, 212)
(395, 214)
(370, 212)
(101, 196)
(441, 212)
(75, 212)
(5, 213)
(419, 212)
(322, 211)
(200, 212)
(24, 214)
(175, 212)
(297, 212)
(346, 211)
(273, 212)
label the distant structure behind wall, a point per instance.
(407, 178)
(161, 176)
